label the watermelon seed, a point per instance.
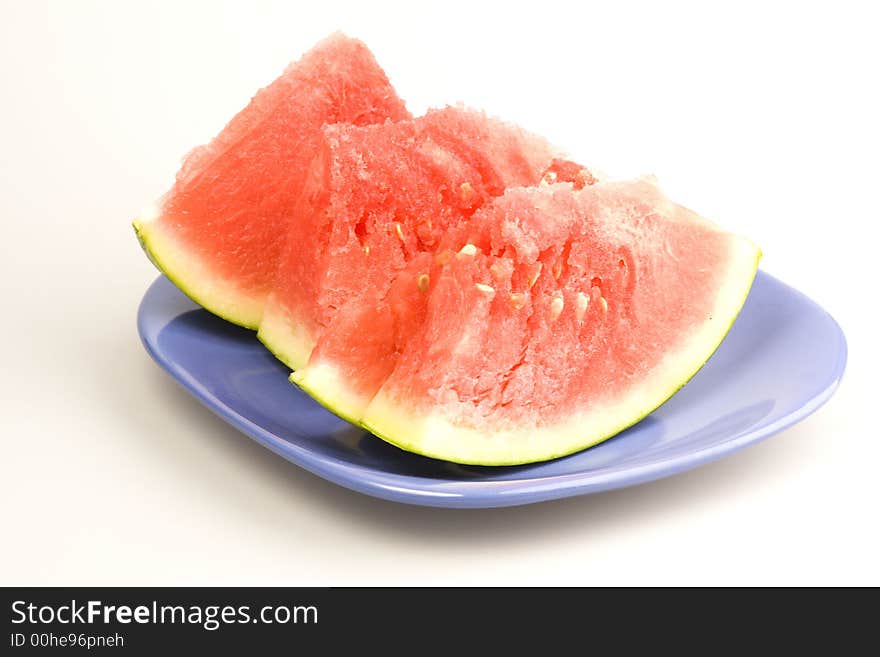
(469, 250)
(581, 304)
(556, 307)
(557, 270)
(367, 250)
(604, 304)
(423, 282)
(467, 192)
(585, 178)
(488, 289)
(548, 179)
(533, 277)
(399, 230)
(517, 300)
(448, 396)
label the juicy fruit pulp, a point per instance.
(448, 282)
(553, 319)
(377, 199)
(219, 232)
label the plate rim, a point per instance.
(484, 493)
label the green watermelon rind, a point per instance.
(391, 422)
(195, 279)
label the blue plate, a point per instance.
(782, 360)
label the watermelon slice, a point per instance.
(552, 320)
(448, 282)
(376, 200)
(219, 232)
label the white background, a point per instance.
(761, 116)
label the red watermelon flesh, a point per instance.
(380, 321)
(219, 232)
(379, 198)
(565, 316)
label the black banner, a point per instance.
(326, 621)
(244, 619)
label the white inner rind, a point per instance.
(325, 384)
(286, 338)
(195, 278)
(434, 435)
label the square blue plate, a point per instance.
(782, 360)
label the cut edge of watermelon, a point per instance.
(195, 278)
(435, 436)
(287, 339)
(316, 380)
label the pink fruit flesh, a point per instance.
(381, 199)
(231, 203)
(570, 298)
